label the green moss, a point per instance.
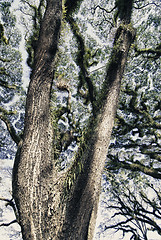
(31, 46)
(2, 37)
(31, 43)
(64, 10)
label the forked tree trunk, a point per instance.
(48, 209)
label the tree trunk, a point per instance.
(33, 168)
(81, 210)
(48, 208)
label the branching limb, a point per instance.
(3, 116)
(11, 203)
(128, 206)
(67, 137)
(103, 9)
(118, 224)
(2, 37)
(5, 59)
(72, 5)
(6, 85)
(8, 224)
(104, 13)
(138, 6)
(137, 166)
(37, 17)
(82, 61)
(151, 53)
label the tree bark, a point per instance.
(48, 209)
(83, 200)
(33, 168)
(81, 211)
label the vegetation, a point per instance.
(78, 52)
(10, 80)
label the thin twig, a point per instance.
(8, 224)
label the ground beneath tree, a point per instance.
(11, 232)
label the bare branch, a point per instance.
(103, 9)
(118, 224)
(144, 6)
(104, 12)
(98, 69)
(8, 224)
(11, 203)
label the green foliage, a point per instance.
(85, 46)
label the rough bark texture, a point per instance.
(81, 211)
(33, 170)
(47, 209)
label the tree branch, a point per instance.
(118, 224)
(37, 17)
(6, 85)
(128, 206)
(5, 60)
(16, 138)
(72, 5)
(144, 6)
(11, 203)
(8, 224)
(103, 9)
(2, 37)
(137, 166)
(82, 61)
(151, 53)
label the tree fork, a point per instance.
(37, 187)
